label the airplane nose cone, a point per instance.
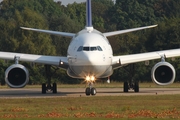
(90, 64)
(90, 59)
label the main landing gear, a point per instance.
(48, 86)
(131, 85)
(90, 90)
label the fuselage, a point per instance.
(90, 55)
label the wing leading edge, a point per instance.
(61, 62)
(119, 61)
(108, 34)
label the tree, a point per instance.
(47, 14)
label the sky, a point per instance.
(65, 2)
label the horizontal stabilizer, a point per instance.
(51, 32)
(108, 34)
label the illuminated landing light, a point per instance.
(90, 78)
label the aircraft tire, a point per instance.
(54, 88)
(93, 91)
(126, 87)
(43, 88)
(88, 91)
(136, 87)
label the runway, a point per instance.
(79, 92)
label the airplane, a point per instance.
(89, 57)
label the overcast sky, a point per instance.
(65, 2)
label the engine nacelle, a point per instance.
(163, 73)
(16, 76)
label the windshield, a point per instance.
(87, 48)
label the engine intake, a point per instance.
(16, 76)
(163, 73)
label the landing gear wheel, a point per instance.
(131, 84)
(43, 88)
(126, 87)
(88, 91)
(54, 88)
(136, 87)
(49, 86)
(93, 91)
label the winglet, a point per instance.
(88, 14)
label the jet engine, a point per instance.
(16, 76)
(163, 73)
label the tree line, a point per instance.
(107, 16)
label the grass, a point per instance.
(112, 107)
(95, 107)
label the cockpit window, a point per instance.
(86, 48)
(99, 48)
(80, 48)
(93, 48)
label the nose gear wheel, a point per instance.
(90, 90)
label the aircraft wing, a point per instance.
(42, 59)
(108, 34)
(66, 34)
(119, 61)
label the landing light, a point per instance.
(90, 78)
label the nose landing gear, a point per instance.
(90, 90)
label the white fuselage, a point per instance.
(90, 54)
